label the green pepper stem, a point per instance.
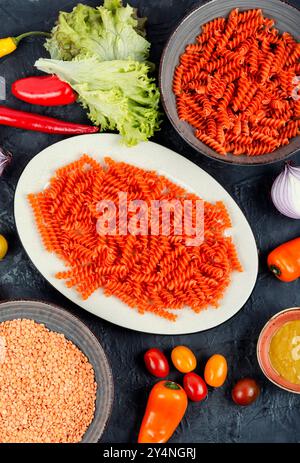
(28, 34)
(275, 270)
(171, 385)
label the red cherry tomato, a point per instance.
(156, 363)
(245, 392)
(194, 387)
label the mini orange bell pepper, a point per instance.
(166, 407)
(284, 261)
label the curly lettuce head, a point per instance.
(109, 32)
(118, 94)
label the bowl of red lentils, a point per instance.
(56, 384)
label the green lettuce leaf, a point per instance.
(109, 32)
(118, 94)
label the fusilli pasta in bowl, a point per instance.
(229, 80)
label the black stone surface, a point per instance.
(275, 417)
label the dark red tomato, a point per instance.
(245, 392)
(44, 91)
(194, 387)
(156, 363)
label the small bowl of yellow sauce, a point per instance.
(278, 349)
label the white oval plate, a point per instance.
(166, 162)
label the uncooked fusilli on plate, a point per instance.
(152, 273)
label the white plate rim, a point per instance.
(165, 161)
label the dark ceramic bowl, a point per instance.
(287, 19)
(61, 321)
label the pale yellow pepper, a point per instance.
(9, 44)
(3, 247)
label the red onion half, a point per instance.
(286, 192)
(5, 159)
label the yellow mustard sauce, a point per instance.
(284, 351)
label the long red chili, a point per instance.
(38, 123)
(44, 91)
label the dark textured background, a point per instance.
(275, 417)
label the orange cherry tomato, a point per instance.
(215, 372)
(183, 359)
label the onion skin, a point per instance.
(285, 192)
(5, 160)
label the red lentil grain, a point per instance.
(47, 386)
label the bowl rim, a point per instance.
(194, 145)
(258, 347)
(84, 326)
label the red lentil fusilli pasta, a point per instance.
(237, 79)
(152, 273)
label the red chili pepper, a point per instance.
(38, 123)
(44, 91)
